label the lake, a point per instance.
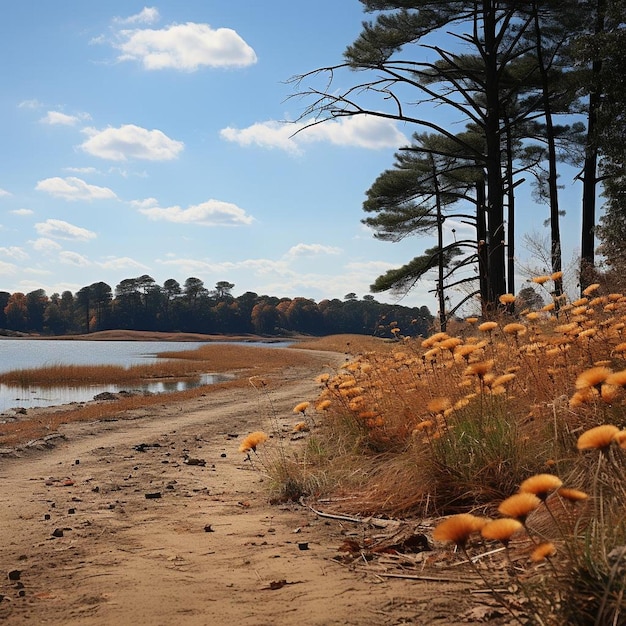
(28, 354)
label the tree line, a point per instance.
(527, 86)
(142, 304)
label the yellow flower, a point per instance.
(542, 485)
(252, 441)
(543, 551)
(301, 407)
(323, 405)
(501, 529)
(458, 528)
(301, 427)
(471, 320)
(519, 505)
(596, 438)
(557, 275)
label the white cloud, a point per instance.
(131, 142)
(209, 213)
(73, 258)
(72, 188)
(14, 252)
(30, 104)
(56, 118)
(63, 230)
(7, 268)
(311, 249)
(362, 131)
(81, 170)
(185, 47)
(22, 212)
(122, 263)
(45, 245)
(4, 193)
(265, 135)
(148, 15)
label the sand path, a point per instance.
(210, 550)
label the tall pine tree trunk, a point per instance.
(589, 176)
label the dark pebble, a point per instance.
(57, 532)
(46, 516)
(303, 545)
(71, 511)
(208, 529)
(223, 455)
(15, 574)
(153, 496)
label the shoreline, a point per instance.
(141, 335)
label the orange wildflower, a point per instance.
(458, 528)
(593, 377)
(252, 441)
(540, 280)
(543, 551)
(438, 405)
(487, 327)
(620, 438)
(596, 438)
(617, 378)
(323, 405)
(542, 485)
(515, 329)
(506, 298)
(480, 368)
(501, 529)
(519, 505)
(301, 407)
(589, 290)
(572, 495)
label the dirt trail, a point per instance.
(147, 534)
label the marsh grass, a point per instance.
(241, 361)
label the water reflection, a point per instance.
(35, 396)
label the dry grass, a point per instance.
(456, 423)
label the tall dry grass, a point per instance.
(455, 423)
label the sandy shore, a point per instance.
(156, 519)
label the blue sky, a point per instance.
(152, 139)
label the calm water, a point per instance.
(22, 353)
